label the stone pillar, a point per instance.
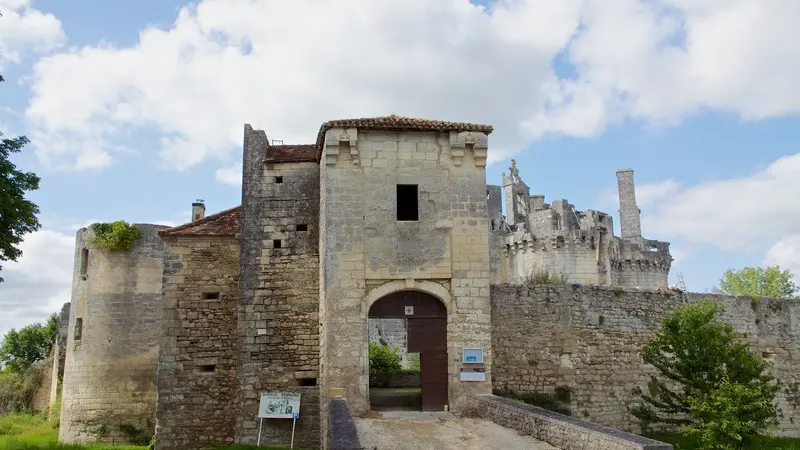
(628, 211)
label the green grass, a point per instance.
(761, 443)
(34, 432)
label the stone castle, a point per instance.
(380, 218)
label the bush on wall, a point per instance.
(117, 236)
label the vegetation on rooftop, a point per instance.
(116, 236)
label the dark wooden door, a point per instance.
(428, 337)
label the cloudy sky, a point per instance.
(135, 109)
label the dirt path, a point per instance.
(400, 430)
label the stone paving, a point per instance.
(414, 430)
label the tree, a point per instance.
(767, 282)
(17, 215)
(32, 343)
(710, 382)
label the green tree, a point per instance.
(768, 281)
(32, 343)
(710, 382)
(17, 215)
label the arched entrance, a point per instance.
(425, 320)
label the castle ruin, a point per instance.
(379, 218)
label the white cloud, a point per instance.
(39, 282)
(221, 65)
(23, 28)
(786, 254)
(738, 214)
(230, 175)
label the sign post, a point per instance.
(278, 405)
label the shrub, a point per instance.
(383, 360)
(714, 387)
(18, 388)
(550, 402)
(117, 236)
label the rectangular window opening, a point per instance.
(207, 368)
(78, 329)
(302, 227)
(84, 262)
(279, 180)
(210, 295)
(276, 243)
(308, 381)
(407, 202)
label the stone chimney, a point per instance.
(198, 210)
(630, 224)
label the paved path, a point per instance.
(412, 430)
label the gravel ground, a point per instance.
(412, 430)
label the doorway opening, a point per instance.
(408, 352)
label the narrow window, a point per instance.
(207, 368)
(78, 328)
(279, 180)
(210, 295)
(84, 262)
(308, 382)
(407, 202)
(276, 243)
(302, 227)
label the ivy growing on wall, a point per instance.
(117, 236)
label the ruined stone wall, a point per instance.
(367, 249)
(391, 332)
(590, 339)
(59, 357)
(112, 345)
(197, 361)
(279, 294)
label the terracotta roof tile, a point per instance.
(223, 223)
(292, 153)
(400, 123)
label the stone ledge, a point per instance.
(556, 429)
(341, 426)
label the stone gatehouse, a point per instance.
(380, 217)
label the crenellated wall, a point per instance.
(590, 339)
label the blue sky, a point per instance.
(135, 112)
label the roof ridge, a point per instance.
(205, 219)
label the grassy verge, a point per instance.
(762, 443)
(34, 432)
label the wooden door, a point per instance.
(428, 337)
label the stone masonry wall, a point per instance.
(112, 346)
(279, 294)
(197, 361)
(365, 247)
(590, 339)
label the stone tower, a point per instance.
(630, 224)
(112, 342)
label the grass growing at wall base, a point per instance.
(34, 432)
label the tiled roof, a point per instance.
(396, 123)
(223, 223)
(400, 123)
(292, 153)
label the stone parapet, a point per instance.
(557, 429)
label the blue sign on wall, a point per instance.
(472, 355)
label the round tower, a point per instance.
(109, 387)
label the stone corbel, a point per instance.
(336, 137)
(475, 141)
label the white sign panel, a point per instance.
(279, 405)
(472, 376)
